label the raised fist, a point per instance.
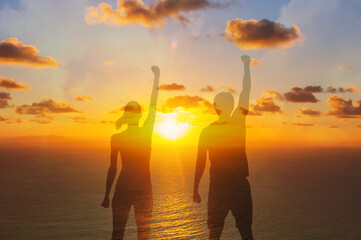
(156, 70)
(246, 59)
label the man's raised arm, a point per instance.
(244, 96)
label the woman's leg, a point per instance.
(143, 208)
(121, 211)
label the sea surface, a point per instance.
(54, 192)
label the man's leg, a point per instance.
(246, 233)
(217, 212)
(216, 218)
(242, 209)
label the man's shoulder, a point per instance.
(210, 130)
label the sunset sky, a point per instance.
(68, 67)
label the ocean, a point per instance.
(54, 192)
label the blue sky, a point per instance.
(14, 4)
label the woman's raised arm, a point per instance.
(153, 99)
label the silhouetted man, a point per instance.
(224, 140)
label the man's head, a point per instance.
(224, 103)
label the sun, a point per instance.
(171, 129)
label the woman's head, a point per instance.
(132, 114)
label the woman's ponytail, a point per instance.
(132, 112)
(119, 123)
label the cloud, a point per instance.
(306, 94)
(254, 34)
(12, 51)
(8, 120)
(111, 63)
(309, 112)
(298, 94)
(265, 104)
(230, 87)
(313, 89)
(107, 122)
(80, 119)
(172, 87)
(187, 102)
(4, 97)
(207, 89)
(358, 126)
(332, 126)
(115, 111)
(83, 98)
(351, 89)
(342, 68)
(250, 113)
(274, 94)
(4, 118)
(256, 62)
(43, 119)
(10, 84)
(136, 12)
(303, 124)
(46, 106)
(343, 108)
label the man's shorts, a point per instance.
(230, 196)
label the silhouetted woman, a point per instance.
(134, 185)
